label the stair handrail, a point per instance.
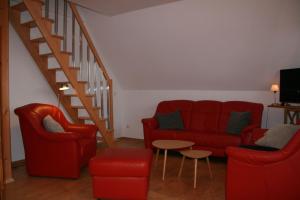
(83, 29)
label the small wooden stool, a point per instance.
(195, 154)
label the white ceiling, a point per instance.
(200, 44)
(115, 7)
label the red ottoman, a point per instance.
(119, 173)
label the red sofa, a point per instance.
(264, 175)
(54, 154)
(205, 123)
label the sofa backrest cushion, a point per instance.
(183, 106)
(256, 110)
(205, 115)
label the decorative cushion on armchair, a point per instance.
(54, 155)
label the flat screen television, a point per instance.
(290, 85)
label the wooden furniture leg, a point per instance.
(156, 158)
(209, 169)
(165, 162)
(195, 173)
(181, 166)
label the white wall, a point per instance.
(139, 104)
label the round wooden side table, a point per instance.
(195, 154)
(169, 145)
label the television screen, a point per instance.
(290, 85)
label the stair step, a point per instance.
(60, 69)
(66, 52)
(39, 40)
(20, 7)
(84, 118)
(52, 55)
(82, 107)
(42, 39)
(67, 82)
(75, 95)
(32, 24)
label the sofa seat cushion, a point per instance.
(220, 140)
(201, 138)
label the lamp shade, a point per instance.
(274, 87)
(64, 87)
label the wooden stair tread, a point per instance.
(60, 69)
(84, 118)
(32, 23)
(75, 95)
(52, 55)
(20, 7)
(67, 82)
(82, 107)
(42, 39)
(39, 40)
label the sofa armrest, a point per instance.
(61, 137)
(246, 134)
(149, 125)
(87, 130)
(254, 157)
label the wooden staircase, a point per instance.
(63, 58)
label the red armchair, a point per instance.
(54, 154)
(264, 175)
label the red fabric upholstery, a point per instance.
(54, 154)
(205, 123)
(264, 175)
(205, 115)
(121, 173)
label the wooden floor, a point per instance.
(26, 187)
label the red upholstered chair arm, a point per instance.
(149, 125)
(61, 137)
(254, 157)
(86, 130)
(247, 132)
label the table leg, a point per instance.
(181, 166)
(209, 169)
(156, 158)
(165, 162)
(195, 173)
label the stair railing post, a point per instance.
(80, 55)
(47, 9)
(107, 105)
(101, 95)
(56, 17)
(88, 68)
(73, 41)
(65, 28)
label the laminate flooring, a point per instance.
(40, 188)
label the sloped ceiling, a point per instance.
(116, 7)
(200, 44)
